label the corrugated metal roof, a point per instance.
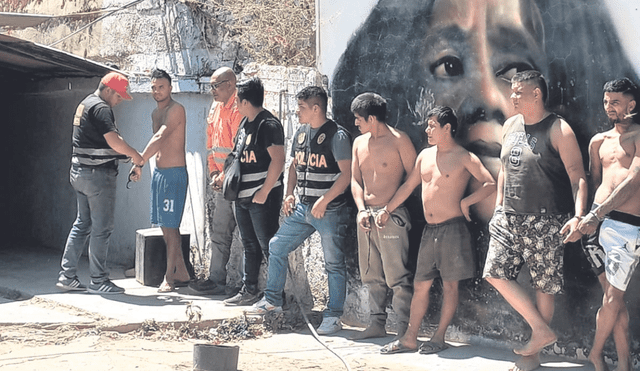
(22, 20)
(40, 61)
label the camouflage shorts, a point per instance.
(533, 239)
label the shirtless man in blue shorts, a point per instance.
(615, 167)
(169, 182)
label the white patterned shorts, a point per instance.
(620, 242)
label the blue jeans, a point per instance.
(295, 229)
(257, 223)
(96, 195)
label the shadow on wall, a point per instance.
(462, 54)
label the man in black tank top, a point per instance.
(540, 176)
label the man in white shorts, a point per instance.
(615, 169)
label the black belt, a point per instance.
(624, 218)
(312, 199)
(107, 165)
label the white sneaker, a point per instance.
(329, 325)
(263, 307)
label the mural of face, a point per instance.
(462, 54)
(472, 50)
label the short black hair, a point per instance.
(370, 104)
(314, 95)
(535, 77)
(252, 91)
(445, 115)
(160, 74)
(626, 87)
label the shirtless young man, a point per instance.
(382, 157)
(446, 247)
(169, 183)
(614, 165)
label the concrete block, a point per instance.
(151, 256)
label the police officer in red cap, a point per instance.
(97, 147)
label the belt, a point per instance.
(624, 218)
(107, 165)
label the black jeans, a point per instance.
(257, 223)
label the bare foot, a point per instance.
(624, 366)
(181, 275)
(598, 362)
(527, 363)
(538, 341)
(373, 331)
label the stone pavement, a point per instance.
(27, 273)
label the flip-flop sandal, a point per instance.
(429, 347)
(396, 347)
(166, 287)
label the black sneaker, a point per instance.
(207, 287)
(244, 298)
(70, 284)
(107, 287)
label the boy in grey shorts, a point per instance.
(446, 252)
(444, 170)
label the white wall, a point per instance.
(337, 22)
(626, 18)
(133, 205)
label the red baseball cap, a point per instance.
(117, 82)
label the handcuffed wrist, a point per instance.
(595, 215)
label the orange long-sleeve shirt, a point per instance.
(222, 124)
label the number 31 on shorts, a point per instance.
(168, 205)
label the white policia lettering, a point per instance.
(314, 160)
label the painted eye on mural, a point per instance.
(511, 69)
(448, 66)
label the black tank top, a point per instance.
(535, 179)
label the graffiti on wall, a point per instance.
(462, 53)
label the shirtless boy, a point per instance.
(382, 157)
(614, 165)
(444, 170)
(169, 183)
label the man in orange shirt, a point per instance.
(222, 125)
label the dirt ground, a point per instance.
(278, 343)
(69, 348)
